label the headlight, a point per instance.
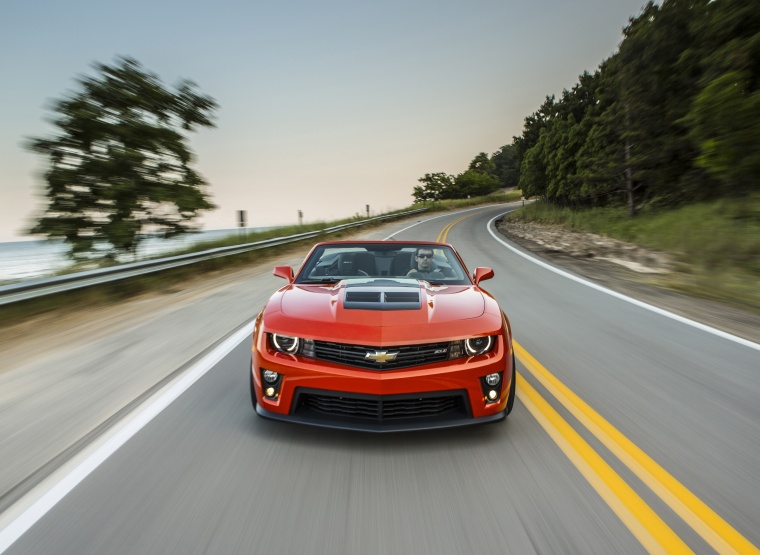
(292, 345)
(471, 347)
(478, 345)
(284, 343)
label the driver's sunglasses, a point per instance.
(424, 256)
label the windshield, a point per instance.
(436, 264)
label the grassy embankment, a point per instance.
(170, 280)
(716, 245)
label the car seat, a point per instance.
(365, 262)
(347, 265)
(402, 263)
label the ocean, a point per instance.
(25, 260)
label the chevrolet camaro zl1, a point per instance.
(382, 336)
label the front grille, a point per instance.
(393, 357)
(379, 408)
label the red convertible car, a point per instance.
(382, 336)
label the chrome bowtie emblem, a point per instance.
(381, 356)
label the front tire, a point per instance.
(253, 389)
(512, 387)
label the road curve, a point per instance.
(208, 476)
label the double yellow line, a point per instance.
(645, 524)
(445, 231)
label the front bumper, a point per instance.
(441, 395)
(362, 425)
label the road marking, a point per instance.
(705, 522)
(646, 525)
(660, 311)
(444, 215)
(718, 533)
(112, 442)
(42, 499)
(443, 235)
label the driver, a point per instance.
(424, 268)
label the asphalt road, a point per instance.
(632, 432)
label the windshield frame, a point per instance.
(386, 261)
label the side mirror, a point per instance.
(482, 274)
(284, 272)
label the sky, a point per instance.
(325, 106)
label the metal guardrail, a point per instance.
(31, 289)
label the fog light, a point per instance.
(269, 392)
(492, 379)
(271, 376)
(492, 395)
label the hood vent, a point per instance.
(382, 300)
(402, 297)
(364, 296)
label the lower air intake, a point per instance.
(380, 408)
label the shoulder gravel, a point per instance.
(619, 276)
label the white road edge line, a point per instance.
(139, 420)
(660, 311)
(123, 432)
(52, 491)
(131, 425)
(442, 216)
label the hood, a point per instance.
(382, 303)
(382, 312)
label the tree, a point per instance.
(656, 81)
(507, 168)
(725, 120)
(534, 124)
(550, 158)
(473, 183)
(434, 187)
(483, 164)
(533, 181)
(119, 165)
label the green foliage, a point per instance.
(479, 179)
(506, 166)
(433, 187)
(671, 118)
(655, 83)
(483, 164)
(455, 204)
(534, 124)
(725, 124)
(472, 183)
(561, 164)
(533, 180)
(716, 243)
(119, 165)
